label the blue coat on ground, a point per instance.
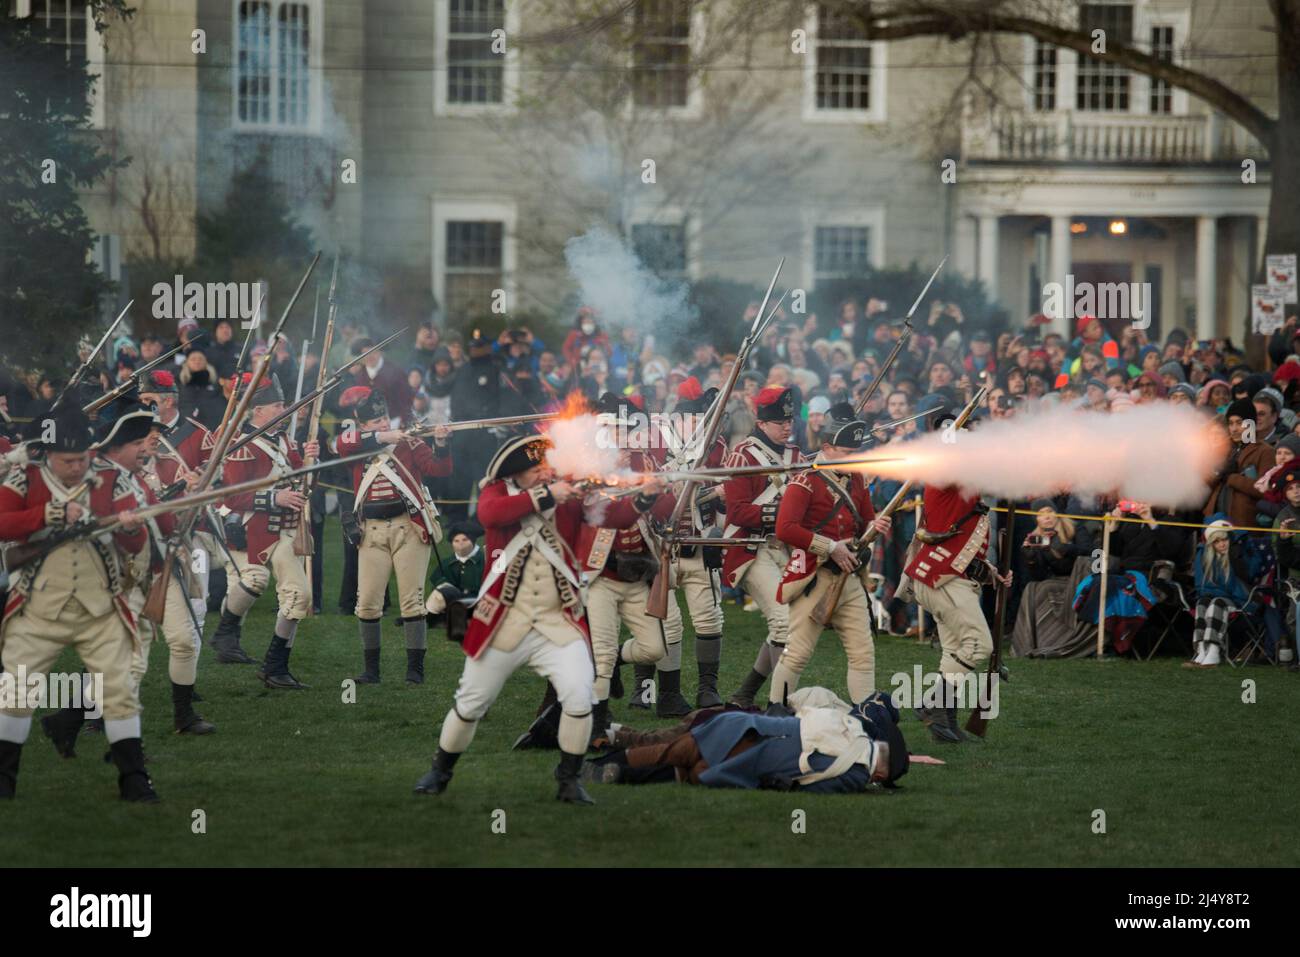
(775, 757)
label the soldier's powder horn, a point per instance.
(825, 606)
(657, 603)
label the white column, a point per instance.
(1059, 264)
(966, 247)
(988, 247)
(1207, 312)
(1261, 237)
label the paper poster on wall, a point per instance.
(1267, 309)
(1280, 270)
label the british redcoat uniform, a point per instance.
(821, 508)
(752, 502)
(530, 610)
(694, 570)
(261, 544)
(396, 526)
(74, 596)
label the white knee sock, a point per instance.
(457, 734)
(574, 733)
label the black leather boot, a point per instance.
(415, 666)
(569, 773)
(62, 729)
(706, 695)
(439, 776)
(10, 753)
(743, 697)
(599, 723)
(671, 704)
(640, 698)
(184, 717)
(543, 733)
(132, 779)
(275, 671)
(225, 641)
(370, 676)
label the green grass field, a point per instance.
(1186, 773)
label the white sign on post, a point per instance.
(1281, 275)
(1267, 309)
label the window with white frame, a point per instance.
(63, 22)
(661, 53)
(842, 63)
(1162, 48)
(473, 267)
(1044, 76)
(841, 252)
(475, 75)
(662, 247)
(1101, 86)
(272, 63)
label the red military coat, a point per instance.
(418, 462)
(746, 517)
(263, 519)
(596, 543)
(809, 502)
(501, 509)
(944, 507)
(23, 497)
(188, 437)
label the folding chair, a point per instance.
(1172, 606)
(1249, 620)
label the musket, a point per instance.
(723, 473)
(977, 723)
(302, 538)
(467, 424)
(657, 602)
(825, 607)
(317, 393)
(302, 361)
(17, 555)
(898, 346)
(136, 376)
(81, 369)
(239, 364)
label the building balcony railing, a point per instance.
(1017, 136)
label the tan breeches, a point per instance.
(178, 632)
(103, 643)
(963, 632)
(391, 545)
(850, 622)
(612, 603)
(698, 586)
(761, 579)
(292, 585)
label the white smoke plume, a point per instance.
(579, 452)
(613, 281)
(1160, 454)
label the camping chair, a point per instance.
(1249, 623)
(1172, 607)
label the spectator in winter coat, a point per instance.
(1221, 577)
(1232, 489)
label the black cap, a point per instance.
(842, 428)
(775, 405)
(67, 430)
(1242, 408)
(879, 718)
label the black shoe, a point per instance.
(743, 697)
(439, 776)
(275, 670)
(671, 704)
(706, 694)
(370, 676)
(415, 666)
(62, 729)
(225, 641)
(569, 773)
(10, 753)
(185, 719)
(776, 709)
(942, 723)
(543, 733)
(283, 682)
(132, 780)
(643, 691)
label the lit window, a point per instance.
(841, 252)
(272, 57)
(474, 267)
(1104, 86)
(661, 53)
(475, 75)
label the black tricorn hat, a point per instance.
(842, 428)
(124, 420)
(879, 718)
(67, 430)
(517, 455)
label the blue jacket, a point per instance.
(776, 756)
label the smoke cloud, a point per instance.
(579, 452)
(1159, 454)
(613, 281)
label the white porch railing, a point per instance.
(1102, 137)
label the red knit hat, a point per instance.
(1287, 371)
(690, 389)
(1083, 323)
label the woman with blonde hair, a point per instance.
(1221, 577)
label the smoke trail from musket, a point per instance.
(579, 450)
(1161, 454)
(614, 282)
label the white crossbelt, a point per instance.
(529, 534)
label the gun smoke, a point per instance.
(613, 281)
(1159, 454)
